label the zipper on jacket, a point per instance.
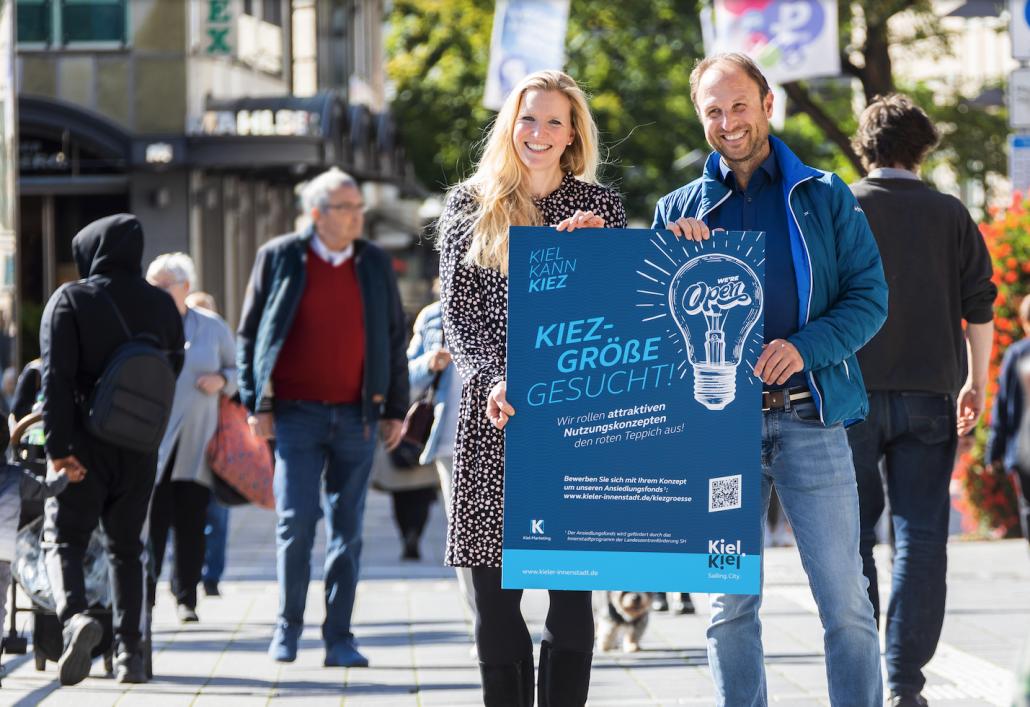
(701, 215)
(808, 306)
(358, 257)
(847, 371)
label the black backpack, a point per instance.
(132, 400)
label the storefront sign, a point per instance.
(261, 122)
(633, 460)
(219, 21)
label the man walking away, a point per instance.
(939, 274)
(83, 325)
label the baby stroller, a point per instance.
(30, 574)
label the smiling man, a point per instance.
(825, 297)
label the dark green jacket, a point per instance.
(273, 294)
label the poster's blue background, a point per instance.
(612, 269)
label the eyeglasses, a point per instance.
(349, 207)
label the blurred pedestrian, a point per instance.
(1009, 416)
(26, 391)
(216, 526)
(538, 168)
(183, 490)
(429, 357)
(84, 323)
(412, 491)
(824, 297)
(939, 274)
(321, 367)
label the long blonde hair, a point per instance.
(500, 183)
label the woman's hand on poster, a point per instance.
(440, 360)
(689, 228)
(580, 219)
(211, 383)
(497, 408)
(778, 362)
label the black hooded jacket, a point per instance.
(80, 331)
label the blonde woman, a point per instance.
(538, 168)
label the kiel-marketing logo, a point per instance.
(723, 555)
(536, 527)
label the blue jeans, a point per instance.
(216, 535)
(318, 443)
(811, 468)
(914, 434)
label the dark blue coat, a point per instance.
(842, 294)
(276, 285)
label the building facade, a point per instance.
(200, 117)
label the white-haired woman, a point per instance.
(184, 480)
(538, 167)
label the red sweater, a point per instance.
(323, 357)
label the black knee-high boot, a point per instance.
(508, 684)
(564, 678)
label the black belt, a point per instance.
(782, 399)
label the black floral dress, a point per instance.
(475, 313)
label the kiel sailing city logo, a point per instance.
(723, 555)
(715, 300)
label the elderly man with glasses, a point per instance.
(322, 365)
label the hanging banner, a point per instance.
(1019, 28)
(788, 39)
(528, 36)
(633, 461)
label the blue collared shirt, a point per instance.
(762, 207)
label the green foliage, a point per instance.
(633, 58)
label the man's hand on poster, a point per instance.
(390, 433)
(440, 360)
(970, 405)
(778, 362)
(581, 219)
(690, 228)
(497, 408)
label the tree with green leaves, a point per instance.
(635, 60)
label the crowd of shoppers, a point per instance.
(323, 365)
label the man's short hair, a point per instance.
(741, 61)
(315, 194)
(894, 131)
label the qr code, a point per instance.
(724, 493)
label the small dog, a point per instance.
(625, 616)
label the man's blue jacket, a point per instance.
(842, 294)
(276, 284)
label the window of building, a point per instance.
(57, 23)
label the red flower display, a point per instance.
(988, 502)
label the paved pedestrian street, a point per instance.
(412, 625)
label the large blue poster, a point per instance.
(633, 459)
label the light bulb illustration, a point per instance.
(715, 300)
